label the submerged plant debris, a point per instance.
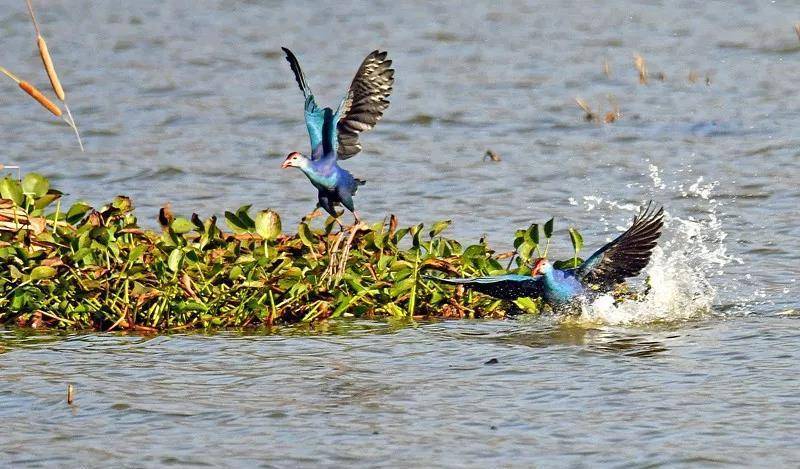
(96, 268)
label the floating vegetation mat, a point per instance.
(96, 268)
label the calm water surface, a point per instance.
(191, 102)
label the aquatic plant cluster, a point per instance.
(97, 268)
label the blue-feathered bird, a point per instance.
(334, 134)
(609, 266)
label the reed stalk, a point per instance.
(34, 93)
(55, 83)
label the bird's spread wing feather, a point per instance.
(315, 117)
(504, 287)
(365, 103)
(628, 254)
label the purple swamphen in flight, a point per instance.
(334, 134)
(609, 266)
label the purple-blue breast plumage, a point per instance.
(334, 134)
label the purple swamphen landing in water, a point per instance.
(624, 257)
(334, 134)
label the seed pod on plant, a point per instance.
(49, 68)
(42, 99)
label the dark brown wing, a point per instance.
(627, 255)
(365, 102)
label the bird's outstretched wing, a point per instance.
(315, 117)
(504, 287)
(365, 102)
(627, 255)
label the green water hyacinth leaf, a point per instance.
(35, 184)
(122, 203)
(532, 235)
(12, 190)
(47, 199)
(439, 226)
(527, 305)
(475, 250)
(175, 259)
(42, 272)
(548, 228)
(240, 222)
(268, 224)
(306, 236)
(77, 212)
(181, 225)
(96, 265)
(577, 244)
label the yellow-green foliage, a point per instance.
(87, 268)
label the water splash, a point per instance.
(682, 272)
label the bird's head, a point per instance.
(541, 266)
(294, 159)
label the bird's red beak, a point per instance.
(286, 162)
(537, 266)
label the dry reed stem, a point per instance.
(34, 93)
(589, 114)
(606, 68)
(797, 29)
(47, 61)
(70, 394)
(641, 67)
(33, 17)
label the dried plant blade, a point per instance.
(797, 29)
(641, 67)
(589, 115)
(74, 127)
(33, 17)
(10, 75)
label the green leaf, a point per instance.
(35, 184)
(577, 244)
(244, 218)
(11, 189)
(548, 228)
(527, 305)
(42, 271)
(47, 199)
(439, 226)
(476, 250)
(136, 253)
(181, 225)
(174, 260)
(519, 238)
(533, 234)
(268, 224)
(577, 240)
(77, 212)
(567, 264)
(306, 236)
